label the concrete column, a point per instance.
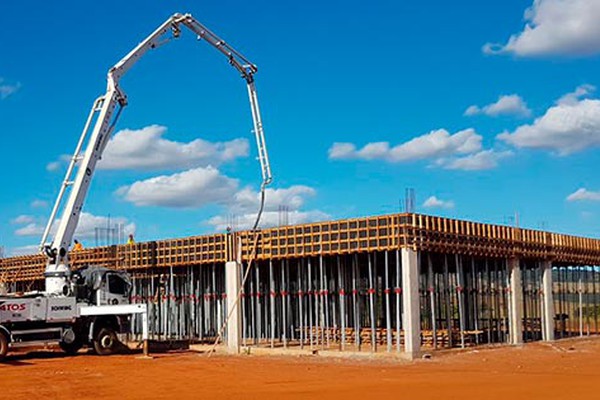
(515, 312)
(234, 324)
(411, 317)
(547, 302)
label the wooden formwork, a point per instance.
(370, 234)
(380, 233)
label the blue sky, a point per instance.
(333, 78)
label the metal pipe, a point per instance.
(388, 315)
(431, 289)
(272, 302)
(342, 295)
(461, 298)
(310, 303)
(398, 304)
(372, 305)
(355, 305)
(321, 303)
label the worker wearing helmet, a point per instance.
(78, 246)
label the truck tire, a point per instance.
(3, 346)
(106, 342)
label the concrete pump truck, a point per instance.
(89, 306)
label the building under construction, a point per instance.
(395, 283)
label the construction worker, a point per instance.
(130, 239)
(78, 246)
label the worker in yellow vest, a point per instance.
(78, 246)
(130, 239)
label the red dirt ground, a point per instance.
(562, 370)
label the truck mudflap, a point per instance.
(3, 344)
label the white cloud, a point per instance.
(53, 166)
(147, 149)
(268, 219)
(434, 202)
(7, 89)
(24, 250)
(86, 229)
(39, 203)
(244, 205)
(192, 188)
(31, 229)
(23, 219)
(203, 186)
(293, 197)
(555, 27)
(433, 145)
(582, 194)
(511, 104)
(472, 110)
(462, 150)
(573, 97)
(570, 126)
(483, 160)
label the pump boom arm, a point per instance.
(105, 112)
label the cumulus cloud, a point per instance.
(512, 105)
(555, 28)
(573, 97)
(30, 229)
(483, 160)
(570, 126)
(192, 188)
(37, 203)
(434, 202)
(24, 250)
(54, 166)
(7, 89)
(147, 149)
(268, 219)
(207, 186)
(281, 205)
(433, 145)
(293, 197)
(23, 219)
(582, 194)
(461, 150)
(86, 229)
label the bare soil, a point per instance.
(568, 369)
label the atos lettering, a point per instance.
(4, 306)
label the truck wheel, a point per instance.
(106, 342)
(3, 346)
(71, 348)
